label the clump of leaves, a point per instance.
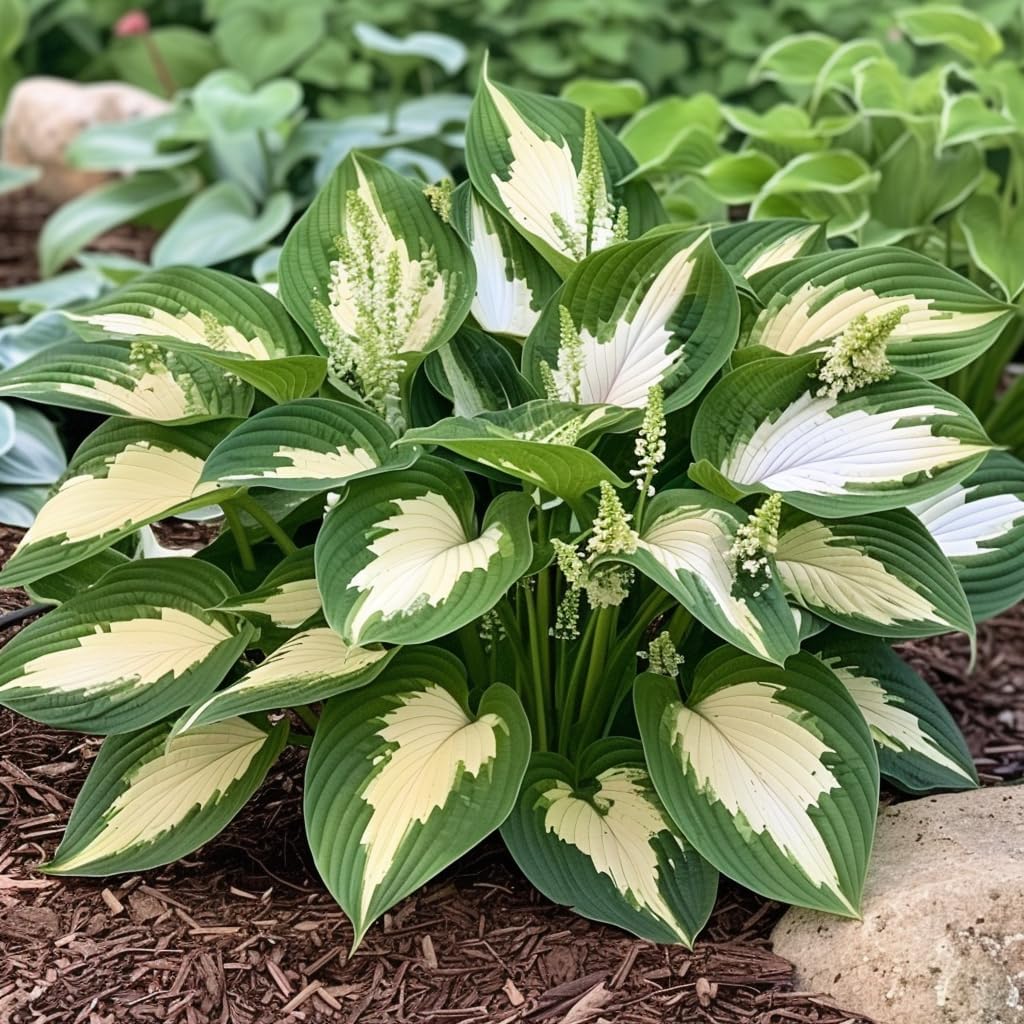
(589, 538)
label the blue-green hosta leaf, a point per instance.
(388, 233)
(512, 281)
(881, 574)
(127, 652)
(525, 156)
(311, 444)
(287, 599)
(150, 799)
(949, 321)
(443, 50)
(20, 504)
(123, 476)
(757, 245)
(979, 526)
(400, 559)
(769, 772)
(919, 746)
(524, 443)
(597, 838)
(13, 177)
(685, 547)
(765, 428)
(660, 310)
(36, 455)
(960, 29)
(403, 779)
(310, 666)
(137, 381)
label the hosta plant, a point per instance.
(541, 516)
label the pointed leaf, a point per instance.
(995, 242)
(287, 599)
(757, 245)
(961, 30)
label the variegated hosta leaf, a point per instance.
(534, 159)
(403, 779)
(310, 666)
(370, 257)
(527, 443)
(660, 310)
(150, 799)
(919, 746)
(979, 526)
(69, 582)
(230, 322)
(126, 652)
(597, 838)
(881, 574)
(685, 547)
(764, 427)
(512, 281)
(308, 445)
(769, 772)
(808, 302)
(123, 476)
(128, 380)
(287, 599)
(756, 245)
(400, 559)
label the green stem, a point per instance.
(300, 739)
(596, 671)
(308, 716)
(473, 652)
(234, 521)
(568, 710)
(538, 672)
(509, 621)
(274, 531)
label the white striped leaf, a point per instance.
(525, 153)
(753, 246)
(150, 799)
(812, 300)
(401, 560)
(388, 233)
(403, 779)
(660, 310)
(684, 547)
(287, 599)
(769, 772)
(312, 665)
(597, 838)
(137, 381)
(136, 646)
(881, 574)
(232, 323)
(979, 526)
(919, 746)
(764, 428)
(311, 444)
(123, 476)
(512, 281)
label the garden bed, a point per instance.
(244, 931)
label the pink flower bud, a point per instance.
(132, 23)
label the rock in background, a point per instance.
(942, 938)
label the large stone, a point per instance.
(942, 937)
(44, 115)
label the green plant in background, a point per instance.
(584, 527)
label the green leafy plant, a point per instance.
(583, 527)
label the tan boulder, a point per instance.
(44, 115)
(942, 936)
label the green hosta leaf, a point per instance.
(661, 310)
(738, 177)
(764, 428)
(796, 59)
(618, 98)
(880, 574)
(123, 476)
(524, 443)
(403, 779)
(308, 445)
(312, 665)
(135, 381)
(388, 231)
(264, 38)
(150, 799)
(757, 245)
(995, 242)
(520, 146)
(685, 544)
(979, 526)
(810, 301)
(919, 746)
(62, 586)
(400, 559)
(837, 71)
(673, 134)
(512, 281)
(227, 101)
(287, 599)
(961, 30)
(127, 652)
(597, 838)
(769, 772)
(967, 118)
(784, 125)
